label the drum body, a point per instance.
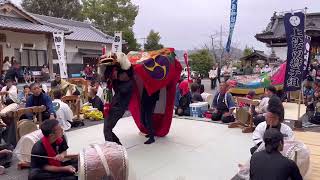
(25, 145)
(103, 161)
(25, 127)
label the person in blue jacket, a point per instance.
(38, 98)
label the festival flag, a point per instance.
(233, 19)
(186, 60)
(58, 38)
(295, 32)
(306, 64)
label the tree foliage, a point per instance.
(67, 9)
(153, 41)
(247, 51)
(201, 61)
(111, 15)
(132, 44)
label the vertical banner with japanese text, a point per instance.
(233, 19)
(58, 38)
(295, 32)
(117, 42)
(306, 64)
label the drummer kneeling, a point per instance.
(53, 149)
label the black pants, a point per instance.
(9, 134)
(119, 105)
(258, 119)
(148, 103)
(219, 117)
(40, 174)
(219, 79)
(213, 83)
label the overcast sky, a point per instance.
(187, 24)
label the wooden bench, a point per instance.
(247, 124)
(11, 119)
(74, 104)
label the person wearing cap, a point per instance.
(274, 119)
(259, 111)
(270, 164)
(11, 92)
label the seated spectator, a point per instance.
(178, 93)
(53, 145)
(95, 100)
(11, 93)
(27, 75)
(250, 95)
(183, 108)
(223, 105)
(274, 119)
(96, 84)
(63, 111)
(38, 98)
(43, 85)
(201, 86)
(195, 93)
(5, 159)
(23, 96)
(308, 95)
(314, 116)
(270, 163)
(258, 112)
(45, 73)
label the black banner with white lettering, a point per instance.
(294, 24)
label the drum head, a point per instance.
(25, 127)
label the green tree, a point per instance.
(153, 41)
(111, 15)
(201, 61)
(132, 44)
(68, 9)
(247, 51)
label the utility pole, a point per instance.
(144, 42)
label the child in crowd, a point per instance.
(95, 100)
(195, 93)
(183, 108)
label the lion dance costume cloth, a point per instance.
(155, 71)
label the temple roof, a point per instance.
(275, 30)
(255, 55)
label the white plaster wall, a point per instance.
(16, 39)
(281, 52)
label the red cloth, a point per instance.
(184, 87)
(50, 151)
(278, 77)
(161, 122)
(242, 104)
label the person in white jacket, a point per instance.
(63, 111)
(213, 74)
(274, 119)
(11, 92)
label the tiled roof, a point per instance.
(7, 22)
(81, 31)
(276, 30)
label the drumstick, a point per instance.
(47, 157)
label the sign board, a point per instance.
(117, 42)
(58, 38)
